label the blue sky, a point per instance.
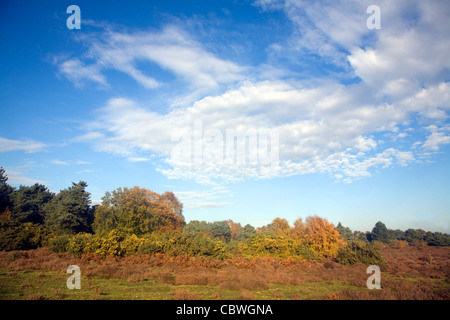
(346, 122)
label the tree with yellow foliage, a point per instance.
(318, 234)
(280, 227)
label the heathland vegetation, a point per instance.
(137, 245)
(135, 220)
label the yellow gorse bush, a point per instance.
(273, 246)
(312, 239)
(133, 244)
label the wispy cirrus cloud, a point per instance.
(84, 162)
(28, 146)
(171, 49)
(60, 163)
(78, 72)
(16, 176)
(138, 159)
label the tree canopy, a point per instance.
(138, 211)
(5, 191)
(29, 203)
(69, 212)
(139, 220)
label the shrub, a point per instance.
(109, 245)
(80, 243)
(23, 237)
(133, 244)
(356, 252)
(60, 244)
(271, 246)
(399, 244)
(306, 253)
(195, 244)
(378, 244)
(152, 245)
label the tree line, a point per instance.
(140, 221)
(397, 237)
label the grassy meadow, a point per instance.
(410, 273)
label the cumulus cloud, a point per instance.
(200, 199)
(438, 137)
(321, 129)
(400, 80)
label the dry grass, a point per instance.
(246, 295)
(409, 274)
(241, 283)
(36, 297)
(183, 294)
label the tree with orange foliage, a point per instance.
(235, 228)
(298, 231)
(319, 235)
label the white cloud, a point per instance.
(16, 177)
(203, 205)
(204, 199)
(404, 157)
(59, 162)
(171, 49)
(406, 55)
(83, 162)
(85, 171)
(90, 136)
(438, 137)
(324, 126)
(21, 180)
(432, 103)
(76, 71)
(29, 146)
(326, 28)
(138, 159)
(322, 129)
(96, 202)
